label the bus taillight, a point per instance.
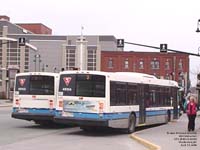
(101, 106)
(17, 102)
(51, 104)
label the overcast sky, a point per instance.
(148, 22)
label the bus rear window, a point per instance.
(82, 85)
(35, 85)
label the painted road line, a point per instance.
(149, 145)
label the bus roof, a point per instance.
(37, 73)
(128, 77)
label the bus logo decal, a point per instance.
(67, 80)
(22, 81)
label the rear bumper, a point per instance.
(30, 116)
(81, 122)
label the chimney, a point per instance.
(5, 18)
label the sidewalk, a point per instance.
(5, 103)
(173, 135)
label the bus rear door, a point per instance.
(143, 95)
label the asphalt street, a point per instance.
(19, 134)
(23, 135)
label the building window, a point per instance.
(70, 59)
(134, 66)
(126, 64)
(167, 76)
(180, 80)
(167, 65)
(180, 64)
(91, 65)
(13, 55)
(69, 42)
(141, 64)
(26, 67)
(1, 32)
(110, 63)
(155, 64)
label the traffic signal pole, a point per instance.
(155, 47)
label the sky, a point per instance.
(149, 22)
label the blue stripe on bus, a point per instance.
(36, 110)
(106, 116)
(111, 116)
(156, 113)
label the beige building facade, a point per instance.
(49, 53)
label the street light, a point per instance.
(198, 26)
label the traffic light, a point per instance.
(163, 48)
(120, 43)
(22, 41)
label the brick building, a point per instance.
(36, 28)
(173, 66)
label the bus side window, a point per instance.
(112, 94)
(121, 93)
(132, 94)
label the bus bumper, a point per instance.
(82, 122)
(29, 116)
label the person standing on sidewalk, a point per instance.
(191, 113)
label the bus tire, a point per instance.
(131, 123)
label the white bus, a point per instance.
(118, 100)
(35, 96)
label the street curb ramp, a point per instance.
(146, 143)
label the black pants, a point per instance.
(191, 123)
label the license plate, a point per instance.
(67, 114)
(23, 111)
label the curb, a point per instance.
(145, 143)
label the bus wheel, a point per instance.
(131, 124)
(168, 116)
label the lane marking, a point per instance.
(149, 145)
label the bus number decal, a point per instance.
(67, 89)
